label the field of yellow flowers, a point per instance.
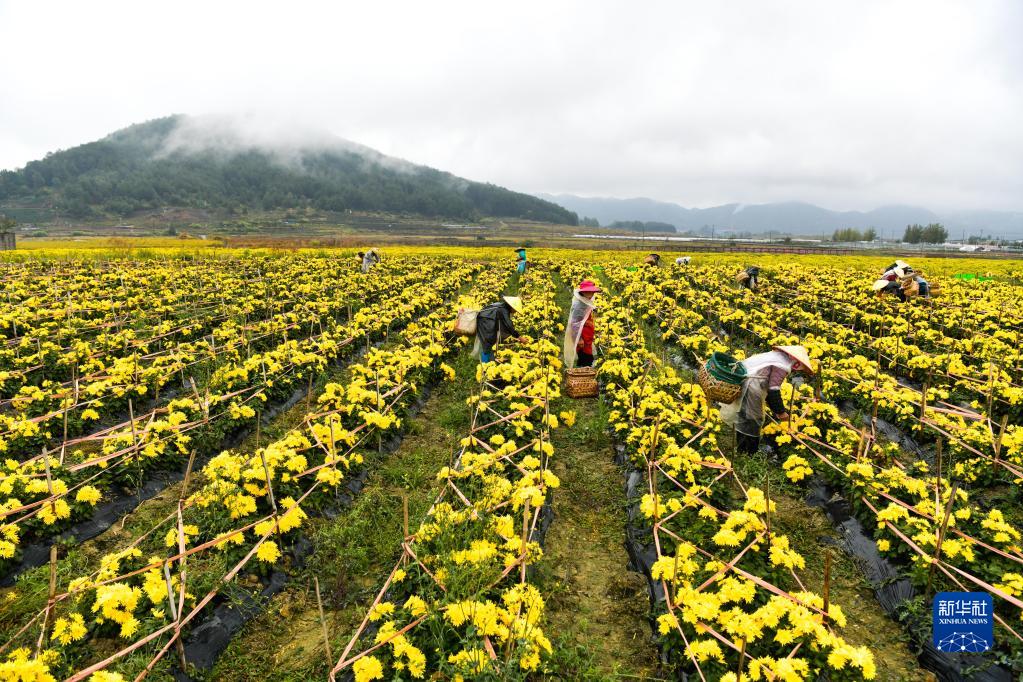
(130, 384)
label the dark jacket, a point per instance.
(493, 323)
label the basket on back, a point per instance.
(581, 382)
(465, 322)
(721, 378)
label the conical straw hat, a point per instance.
(515, 302)
(880, 284)
(797, 353)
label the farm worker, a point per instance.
(369, 259)
(750, 278)
(653, 260)
(494, 324)
(682, 260)
(765, 374)
(912, 276)
(520, 263)
(579, 331)
(890, 281)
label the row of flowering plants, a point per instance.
(975, 365)
(247, 509)
(732, 605)
(44, 411)
(42, 496)
(931, 522)
(459, 603)
(984, 451)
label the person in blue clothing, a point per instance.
(520, 264)
(921, 283)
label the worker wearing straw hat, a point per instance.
(890, 281)
(579, 332)
(369, 259)
(494, 324)
(765, 374)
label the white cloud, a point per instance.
(845, 104)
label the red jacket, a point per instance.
(586, 337)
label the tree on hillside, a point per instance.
(587, 221)
(851, 234)
(935, 233)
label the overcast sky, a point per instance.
(846, 104)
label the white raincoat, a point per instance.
(746, 414)
(582, 308)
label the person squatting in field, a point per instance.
(750, 278)
(494, 324)
(900, 280)
(369, 259)
(579, 332)
(765, 373)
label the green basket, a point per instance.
(724, 367)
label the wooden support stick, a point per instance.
(404, 514)
(309, 391)
(941, 535)
(827, 583)
(525, 540)
(1001, 433)
(188, 475)
(742, 658)
(323, 621)
(269, 486)
(937, 477)
(50, 601)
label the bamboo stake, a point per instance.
(742, 658)
(309, 391)
(941, 536)
(937, 478)
(404, 514)
(323, 621)
(50, 601)
(269, 486)
(181, 590)
(1001, 433)
(990, 388)
(188, 475)
(827, 583)
(525, 540)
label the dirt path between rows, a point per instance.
(597, 608)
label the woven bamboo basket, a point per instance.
(581, 382)
(717, 391)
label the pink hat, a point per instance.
(586, 285)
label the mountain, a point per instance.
(789, 217)
(230, 165)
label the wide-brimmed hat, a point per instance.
(586, 285)
(879, 284)
(901, 264)
(515, 302)
(520, 249)
(799, 354)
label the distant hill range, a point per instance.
(790, 217)
(219, 164)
